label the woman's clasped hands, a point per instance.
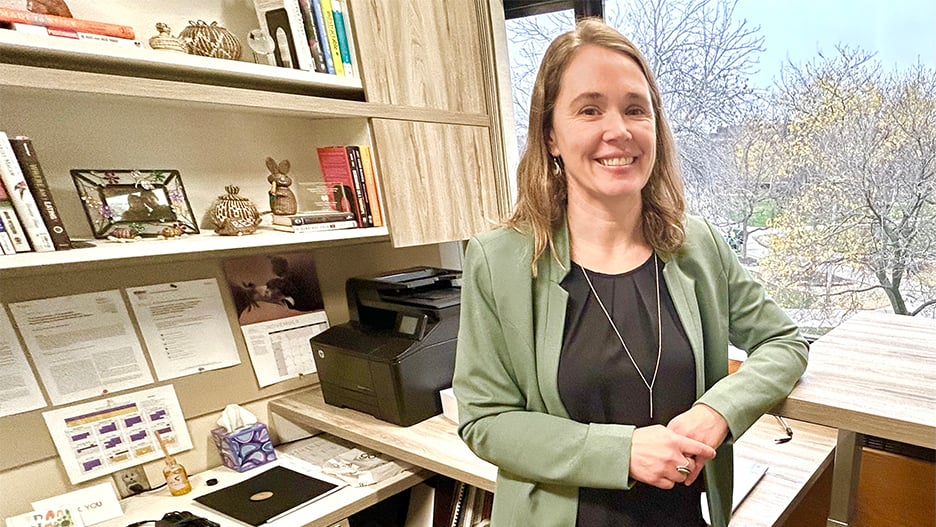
(689, 440)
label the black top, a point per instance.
(598, 384)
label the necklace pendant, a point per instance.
(651, 403)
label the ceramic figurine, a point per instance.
(282, 199)
(172, 231)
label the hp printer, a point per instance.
(398, 350)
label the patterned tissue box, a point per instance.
(244, 448)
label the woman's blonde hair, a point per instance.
(542, 193)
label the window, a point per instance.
(807, 132)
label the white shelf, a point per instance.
(68, 54)
(188, 247)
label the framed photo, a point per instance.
(144, 200)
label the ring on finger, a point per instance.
(683, 469)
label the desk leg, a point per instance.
(845, 474)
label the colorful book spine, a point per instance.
(59, 22)
(336, 173)
(23, 201)
(11, 223)
(332, 32)
(322, 35)
(357, 172)
(39, 186)
(343, 37)
(308, 21)
(370, 183)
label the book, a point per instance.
(60, 22)
(287, 489)
(308, 218)
(23, 201)
(332, 33)
(343, 35)
(282, 20)
(357, 172)
(315, 45)
(73, 34)
(6, 245)
(11, 223)
(317, 227)
(336, 172)
(370, 185)
(322, 36)
(39, 186)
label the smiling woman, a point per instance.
(610, 384)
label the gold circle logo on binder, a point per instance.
(260, 496)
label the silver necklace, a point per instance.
(656, 369)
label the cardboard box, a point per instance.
(244, 448)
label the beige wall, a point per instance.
(34, 472)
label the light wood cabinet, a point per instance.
(436, 193)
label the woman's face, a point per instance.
(603, 126)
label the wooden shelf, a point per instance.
(57, 52)
(30, 62)
(105, 253)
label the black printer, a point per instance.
(398, 350)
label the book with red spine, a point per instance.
(337, 175)
(36, 181)
(61, 22)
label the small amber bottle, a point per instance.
(176, 478)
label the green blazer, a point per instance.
(507, 360)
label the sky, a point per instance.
(900, 31)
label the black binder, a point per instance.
(267, 495)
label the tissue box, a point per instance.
(244, 448)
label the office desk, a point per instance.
(323, 512)
(875, 374)
(434, 445)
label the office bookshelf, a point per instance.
(440, 163)
(434, 190)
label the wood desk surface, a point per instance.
(874, 374)
(433, 444)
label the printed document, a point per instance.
(82, 345)
(19, 391)
(184, 326)
(104, 436)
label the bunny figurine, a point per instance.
(282, 199)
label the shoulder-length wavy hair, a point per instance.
(542, 192)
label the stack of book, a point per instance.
(29, 218)
(316, 35)
(66, 27)
(314, 221)
(351, 182)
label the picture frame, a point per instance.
(146, 201)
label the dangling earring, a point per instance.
(556, 166)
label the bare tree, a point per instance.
(862, 228)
